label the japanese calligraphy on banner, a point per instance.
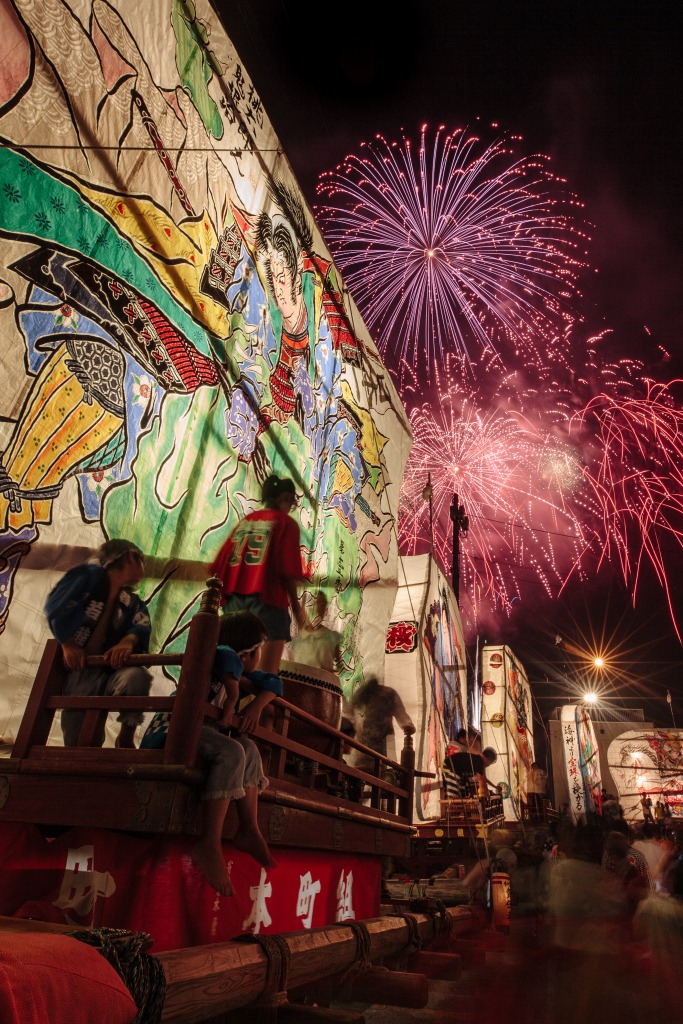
(173, 330)
(507, 725)
(581, 760)
(402, 637)
(98, 878)
(425, 664)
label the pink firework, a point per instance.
(455, 246)
(632, 432)
(562, 474)
(516, 478)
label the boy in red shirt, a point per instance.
(260, 567)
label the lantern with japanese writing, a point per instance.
(500, 900)
(507, 726)
(581, 760)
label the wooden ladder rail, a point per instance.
(195, 663)
(37, 720)
(393, 794)
(391, 783)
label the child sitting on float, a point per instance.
(235, 766)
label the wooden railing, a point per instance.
(383, 786)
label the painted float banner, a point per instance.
(507, 725)
(582, 761)
(97, 878)
(425, 664)
(648, 762)
(173, 330)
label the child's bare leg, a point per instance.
(271, 656)
(248, 837)
(208, 852)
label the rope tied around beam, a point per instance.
(444, 919)
(142, 974)
(274, 994)
(430, 907)
(414, 944)
(361, 961)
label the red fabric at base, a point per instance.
(60, 980)
(104, 879)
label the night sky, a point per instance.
(598, 87)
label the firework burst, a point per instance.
(634, 472)
(465, 261)
(516, 479)
(561, 476)
(455, 246)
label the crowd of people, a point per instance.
(597, 922)
(612, 898)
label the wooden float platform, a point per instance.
(315, 799)
(230, 975)
(126, 790)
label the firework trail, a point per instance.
(633, 474)
(517, 479)
(454, 246)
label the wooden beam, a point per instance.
(384, 986)
(207, 980)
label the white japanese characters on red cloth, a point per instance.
(96, 878)
(345, 910)
(259, 911)
(308, 890)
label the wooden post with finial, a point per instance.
(182, 742)
(405, 804)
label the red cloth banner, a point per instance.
(98, 878)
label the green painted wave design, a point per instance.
(39, 206)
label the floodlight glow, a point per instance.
(590, 698)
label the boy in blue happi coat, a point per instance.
(94, 610)
(235, 767)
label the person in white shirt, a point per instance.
(536, 789)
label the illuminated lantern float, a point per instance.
(425, 664)
(582, 762)
(506, 726)
(648, 762)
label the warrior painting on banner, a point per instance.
(173, 330)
